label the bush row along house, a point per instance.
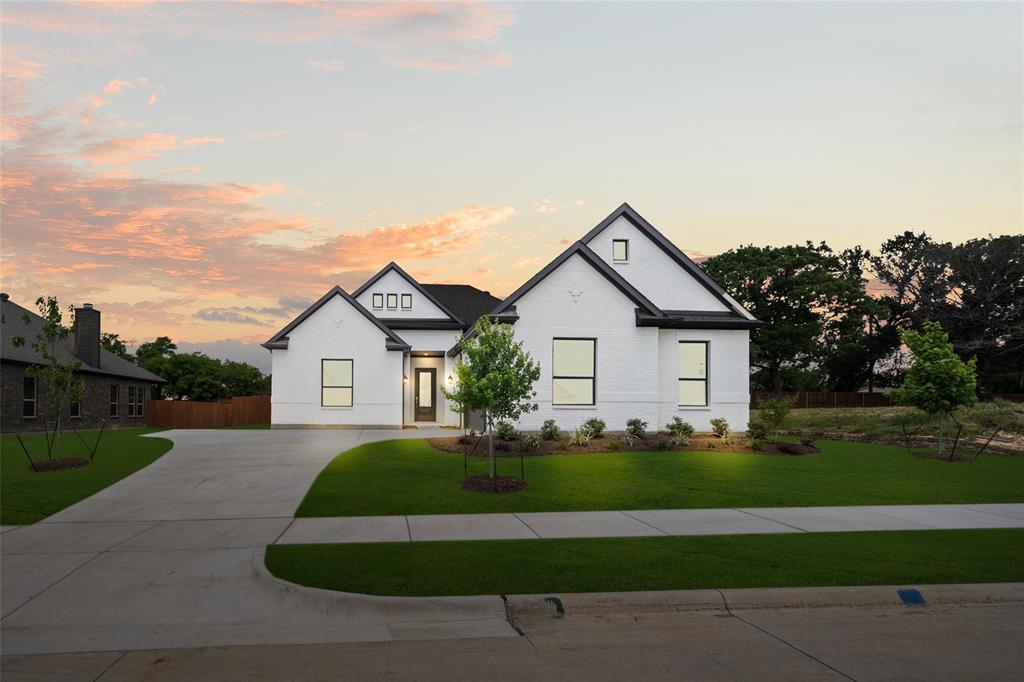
(116, 390)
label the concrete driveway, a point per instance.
(172, 556)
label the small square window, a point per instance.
(620, 250)
(392, 301)
(406, 301)
(378, 301)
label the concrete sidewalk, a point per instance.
(542, 525)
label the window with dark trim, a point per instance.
(620, 250)
(693, 373)
(131, 401)
(573, 368)
(28, 397)
(378, 301)
(140, 401)
(406, 301)
(392, 301)
(113, 399)
(75, 409)
(335, 383)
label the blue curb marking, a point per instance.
(911, 597)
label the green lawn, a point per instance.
(410, 477)
(656, 563)
(27, 496)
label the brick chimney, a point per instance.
(87, 335)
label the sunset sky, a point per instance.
(204, 171)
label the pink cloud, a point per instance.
(116, 85)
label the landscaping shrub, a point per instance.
(680, 431)
(807, 442)
(755, 443)
(720, 427)
(595, 426)
(614, 446)
(757, 430)
(530, 442)
(773, 413)
(627, 439)
(636, 427)
(662, 445)
(550, 430)
(581, 436)
(506, 431)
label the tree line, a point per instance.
(835, 317)
(192, 376)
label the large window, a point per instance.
(392, 301)
(574, 364)
(620, 250)
(406, 301)
(693, 373)
(131, 401)
(378, 301)
(28, 397)
(336, 383)
(113, 400)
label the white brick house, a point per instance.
(622, 323)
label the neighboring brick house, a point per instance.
(116, 390)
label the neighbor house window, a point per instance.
(28, 397)
(113, 400)
(392, 301)
(140, 401)
(378, 301)
(131, 401)
(406, 301)
(336, 383)
(573, 366)
(693, 373)
(75, 409)
(620, 250)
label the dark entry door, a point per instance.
(426, 394)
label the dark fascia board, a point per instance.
(279, 340)
(421, 323)
(581, 249)
(639, 222)
(696, 319)
(409, 278)
(508, 317)
(93, 371)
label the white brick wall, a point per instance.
(337, 330)
(394, 283)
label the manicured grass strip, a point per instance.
(27, 496)
(655, 563)
(410, 477)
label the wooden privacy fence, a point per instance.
(826, 398)
(192, 414)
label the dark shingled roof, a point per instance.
(466, 301)
(12, 324)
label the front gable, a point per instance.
(393, 294)
(335, 311)
(656, 267)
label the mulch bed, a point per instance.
(60, 464)
(482, 483)
(772, 447)
(610, 442)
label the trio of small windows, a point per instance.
(392, 299)
(574, 369)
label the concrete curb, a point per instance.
(757, 598)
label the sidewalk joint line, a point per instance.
(765, 518)
(663, 532)
(528, 526)
(408, 528)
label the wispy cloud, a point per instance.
(332, 65)
(545, 206)
(353, 135)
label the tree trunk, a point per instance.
(490, 446)
(942, 427)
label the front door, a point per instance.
(426, 394)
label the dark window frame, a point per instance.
(351, 387)
(74, 407)
(707, 373)
(131, 401)
(140, 401)
(34, 400)
(592, 377)
(395, 297)
(376, 298)
(620, 260)
(115, 400)
(406, 297)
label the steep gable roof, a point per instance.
(280, 340)
(595, 261)
(639, 222)
(409, 278)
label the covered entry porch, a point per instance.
(424, 375)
